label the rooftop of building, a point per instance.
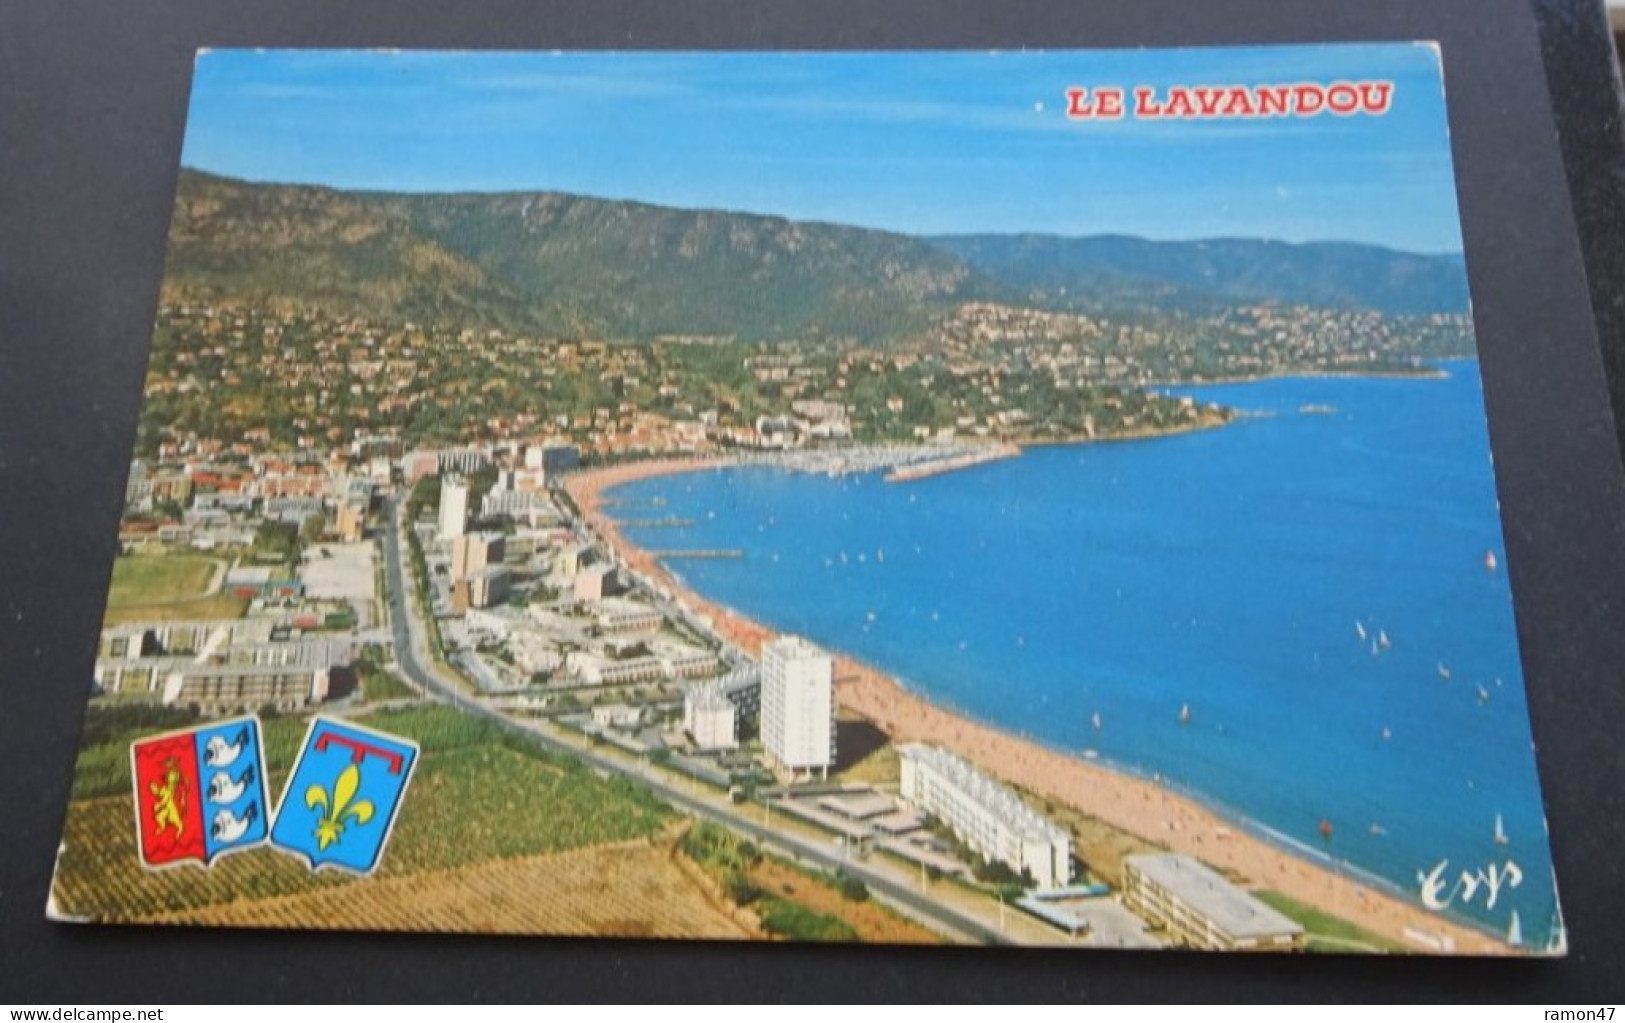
(622, 606)
(707, 697)
(793, 647)
(1232, 909)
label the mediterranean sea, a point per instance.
(1295, 618)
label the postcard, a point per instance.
(1018, 498)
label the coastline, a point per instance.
(1431, 371)
(1124, 801)
(1138, 433)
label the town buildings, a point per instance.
(1200, 908)
(594, 583)
(473, 551)
(987, 817)
(798, 705)
(485, 587)
(352, 522)
(552, 459)
(220, 666)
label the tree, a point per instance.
(312, 530)
(276, 541)
(852, 887)
(741, 889)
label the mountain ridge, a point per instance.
(1058, 271)
(572, 265)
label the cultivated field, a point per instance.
(477, 798)
(625, 889)
(868, 920)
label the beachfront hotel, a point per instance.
(798, 705)
(1201, 909)
(985, 815)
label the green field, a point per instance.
(159, 579)
(378, 685)
(798, 923)
(1327, 933)
(478, 794)
(166, 587)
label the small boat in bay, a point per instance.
(1185, 714)
(1500, 831)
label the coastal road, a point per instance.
(408, 634)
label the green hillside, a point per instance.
(555, 264)
(575, 267)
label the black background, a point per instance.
(93, 96)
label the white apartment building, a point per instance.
(798, 705)
(710, 717)
(985, 815)
(453, 507)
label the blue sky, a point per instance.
(925, 143)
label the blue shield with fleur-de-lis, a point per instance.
(345, 792)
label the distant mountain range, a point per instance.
(577, 266)
(1119, 270)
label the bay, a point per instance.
(1310, 582)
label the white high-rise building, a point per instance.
(798, 705)
(453, 507)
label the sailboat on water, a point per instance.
(1095, 720)
(1515, 931)
(1500, 831)
(1185, 714)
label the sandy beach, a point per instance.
(1131, 804)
